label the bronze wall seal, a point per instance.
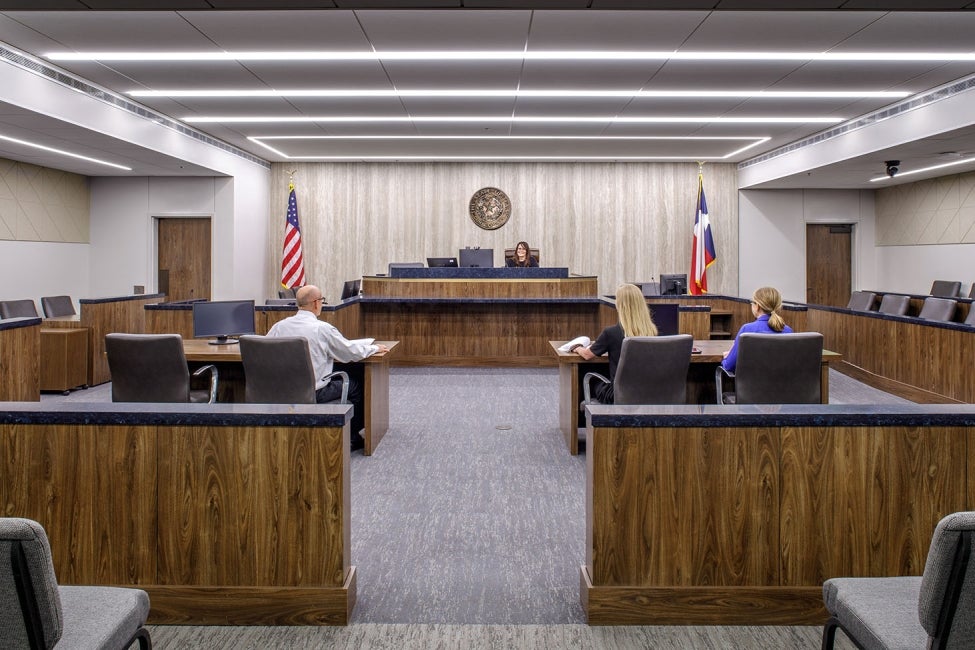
(490, 208)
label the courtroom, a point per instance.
(487, 324)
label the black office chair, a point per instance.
(278, 370)
(152, 368)
(18, 309)
(775, 369)
(894, 304)
(651, 370)
(940, 309)
(57, 306)
(945, 288)
(861, 301)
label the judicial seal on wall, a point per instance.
(490, 208)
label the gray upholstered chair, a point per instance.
(152, 368)
(895, 304)
(775, 369)
(281, 301)
(861, 301)
(286, 293)
(18, 309)
(651, 370)
(945, 289)
(941, 309)
(970, 319)
(57, 306)
(935, 610)
(278, 370)
(37, 613)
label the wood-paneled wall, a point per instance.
(621, 222)
(222, 525)
(741, 525)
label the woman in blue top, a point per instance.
(766, 303)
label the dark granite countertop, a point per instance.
(217, 415)
(141, 296)
(17, 323)
(481, 301)
(776, 415)
(476, 273)
(947, 325)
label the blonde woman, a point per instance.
(766, 303)
(634, 321)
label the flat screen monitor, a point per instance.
(479, 257)
(351, 289)
(673, 284)
(221, 319)
(440, 262)
(666, 317)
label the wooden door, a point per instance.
(184, 258)
(829, 264)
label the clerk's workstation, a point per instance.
(443, 230)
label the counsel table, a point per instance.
(374, 375)
(700, 381)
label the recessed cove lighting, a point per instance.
(512, 55)
(551, 119)
(703, 94)
(61, 152)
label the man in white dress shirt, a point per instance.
(327, 345)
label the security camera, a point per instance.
(893, 166)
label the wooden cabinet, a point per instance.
(64, 358)
(721, 325)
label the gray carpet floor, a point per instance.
(468, 529)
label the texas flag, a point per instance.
(702, 254)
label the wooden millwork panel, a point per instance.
(232, 525)
(655, 541)
(93, 490)
(214, 481)
(741, 525)
(20, 357)
(125, 314)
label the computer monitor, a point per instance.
(440, 262)
(673, 284)
(479, 257)
(222, 319)
(351, 289)
(666, 316)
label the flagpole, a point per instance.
(291, 178)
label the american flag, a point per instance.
(292, 263)
(702, 252)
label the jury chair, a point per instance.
(57, 306)
(152, 368)
(941, 309)
(39, 614)
(945, 289)
(651, 370)
(894, 304)
(935, 610)
(775, 369)
(970, 319)
(18, 309)
(861, 301)
(278, 370)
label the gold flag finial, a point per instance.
(700, 166)
(291, 179)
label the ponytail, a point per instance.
(769, 300)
